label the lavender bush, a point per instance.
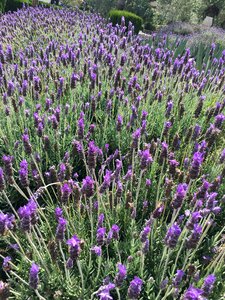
(112, 163)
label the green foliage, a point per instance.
(143, 9)
(102, 6)
(2, 5)
(177, 10)
(116, 15)
(13, 5)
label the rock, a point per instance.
(208, 21)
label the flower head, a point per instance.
(121, 275)
(33, 278)
(134, 289)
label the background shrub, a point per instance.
(13, 5)
(143, 9)
(2, 5)
(102, 6)
(116, 15)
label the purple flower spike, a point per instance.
(222, 156)
(134, 289)
(2, 180)
(193, 294)
(179, 196)
(58, 213)
(96, 250)
(208, 284)
(6, 223)
(92, 154)
(74, 247)
(101, 218)
(219, 119)
(27, 144)
(80, 125)
(106, 182)
(33, 277)
(119, 123)
(192, 241)
(146, 159)
(6, 264)
(136, 136)
(61, 228)
(100, 236)
(104, 292)
(88, 186)
(145, 233)
(172, 236)
(65, 192)
(178, 278)
(196, 164)
(7, 161)
(121, 275)
(115, 231)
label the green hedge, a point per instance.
(116, 15)
(13, 5)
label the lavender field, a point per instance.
(112, 162)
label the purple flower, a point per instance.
(146, 159)
(115, 231)
(136, 136)
(4, 290)
(119, 123)
(193, 239)
(65, 192)
(10, 88)
(169, 108)
(164, 152)
(33, 277)
(92, 154)
(208, 284)
(7, 161)
(172, 236)
(28, 215)
(104, 291)
(23, 173)
(61, 228)
(101, 218)
(158, 211)
(80, 125)
(195, 218)
(219, 119)
(178, 278)
(100, 236)
(193, 294)
(2, 180)
(106, 182)
(27, 144)
(74, 247)
(148, 183)
(96, 250)
(222, 156)
(196, 132)
(6, 263)
(134, 289)
(88, 186)
(179, 195)
(58, 213)
(196, 164)
(145, 233)
(121, 275)
(6, 222)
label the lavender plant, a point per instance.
(112, 170)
